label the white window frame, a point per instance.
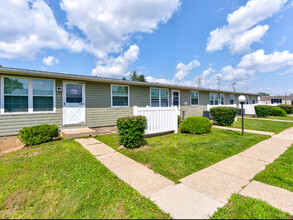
(128, 96)
(214, 97)
(30, 96)
(174, 90)
(222, 94)
(197, 98)
(159, 96)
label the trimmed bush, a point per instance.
(279, 112)
(179, 120)
(263, 110)
(224, 116)
(196, 125)
(287, 108)
(131, 131)
(38, 134)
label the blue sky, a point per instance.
(170, 41)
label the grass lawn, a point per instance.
(248, 208)
(178, 155)
(287, 118)
(263, 125)
(280, 172)
(63, 180)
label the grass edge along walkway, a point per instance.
(60, 179)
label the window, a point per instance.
(214, 99)
(73, 93)
(15, 95)
(291, 102)
(222, 99)
(247, 100)
(159, 97)
(24, 95)
(194, 98)
(276, 101)
(120, 96)
(231, 99)
(43, 95)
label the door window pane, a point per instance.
(73, 93)
(176, 98)
(222, 99)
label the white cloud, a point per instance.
(50, 60)
(26, 29)
(258, 62)
(183, 70)
(28, 26)
(242, 29)
(114, 67)
(178, 79)
(109, 24)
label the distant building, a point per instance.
(285, 100)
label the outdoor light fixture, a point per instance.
(242, 99)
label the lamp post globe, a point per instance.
(242, 99)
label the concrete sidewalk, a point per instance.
(245, 130)
(199, 194)
(275, 196)
(179, 200)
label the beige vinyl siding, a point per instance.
(139, 96)
(99, 112)
(11, 124)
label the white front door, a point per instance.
(175, 98)
(73, 103)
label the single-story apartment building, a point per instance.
(29, 97)
(285, 100)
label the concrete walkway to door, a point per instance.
(199, 194)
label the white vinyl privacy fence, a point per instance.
(249, 108)
(159, 119)
(213, 106)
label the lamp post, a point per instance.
(242, 99)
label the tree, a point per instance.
(263, 94)
(124, 78)
(138, 78)
(1, 66)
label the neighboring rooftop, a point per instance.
(26, 72)
(268, 98)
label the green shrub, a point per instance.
(287, 108)
(279, 112)
(196, 125)
(131, 131)
(224, 116)
(38, 134)
(179, 120)
(263, 110)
